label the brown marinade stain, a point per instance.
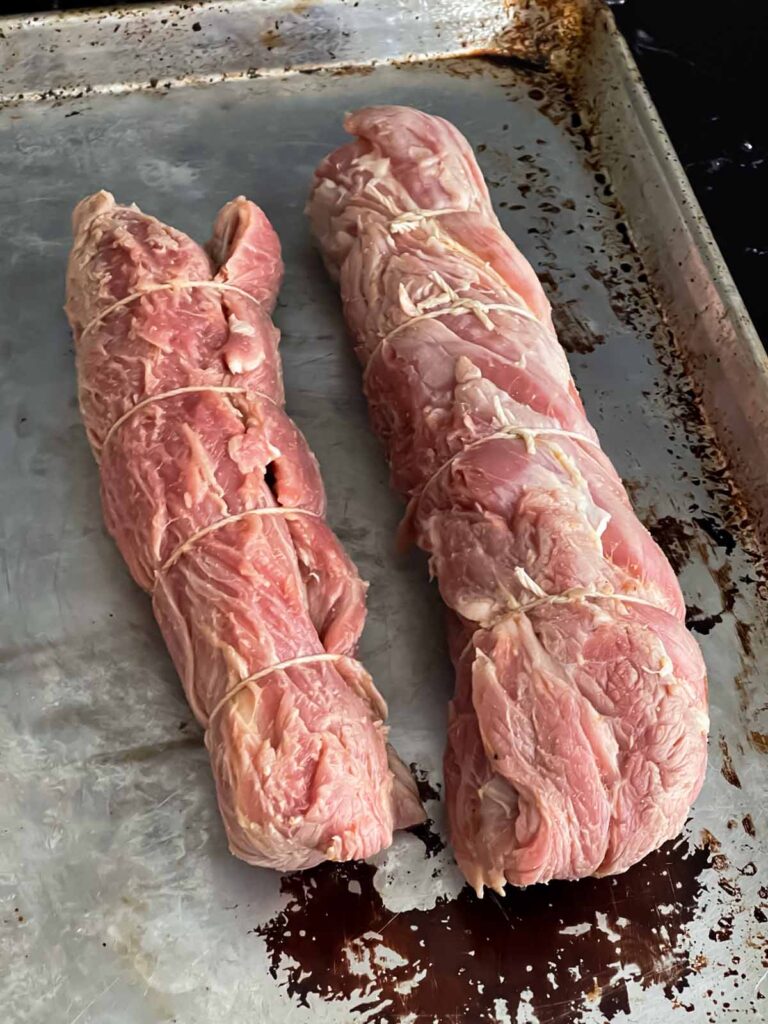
(759, 741)
(729, 772)
(724, 930)
(721, 536)
(426, 790)
(336, 940)
(428, 834)
(572, 333)
(709, 841)
(720, 862)
(271, 39)
(698, 622)
(675, 539)
(426, 831)
(726, 586)
(744, 632)
(730, 887)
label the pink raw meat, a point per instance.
(181, 393)
(578, 733)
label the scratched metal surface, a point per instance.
(120, 903)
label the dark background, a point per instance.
(705, 66)
(703, 63)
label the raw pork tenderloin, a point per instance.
(577, 736)
(217, 505)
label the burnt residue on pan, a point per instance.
(682, 541)
(560, 947)
(701, 622)
(675, 538)
(728, 521)
(726, 766)
(572, 333)
(549, 33)
(427, 831)
(427, 790)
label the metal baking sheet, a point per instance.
(119, 901)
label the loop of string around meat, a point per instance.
(573, 595)
(269, 510)
(452, 305)
(304, 659)
(455, 305)
(168, 286)
(192, 389)
(528, 435)
(186, 545)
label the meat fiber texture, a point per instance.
(181, 392)
(578, 732)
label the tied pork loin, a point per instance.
(216, 504)
(578, 732)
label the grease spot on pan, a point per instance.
(726, 767)
(426, 790)
(675, 538)
(574, 333)
(558, 947)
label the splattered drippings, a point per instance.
(561, 946)
(574, 334)
(726, 767)
(675, 538)
(426, 790)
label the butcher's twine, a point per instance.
(512, 432)
(169, 286)
(454, 308)
(270, 510)
(173, 394)
(575, 595)
(306, 659)
(413, 218)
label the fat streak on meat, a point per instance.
(578, 732)
(217, 506)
